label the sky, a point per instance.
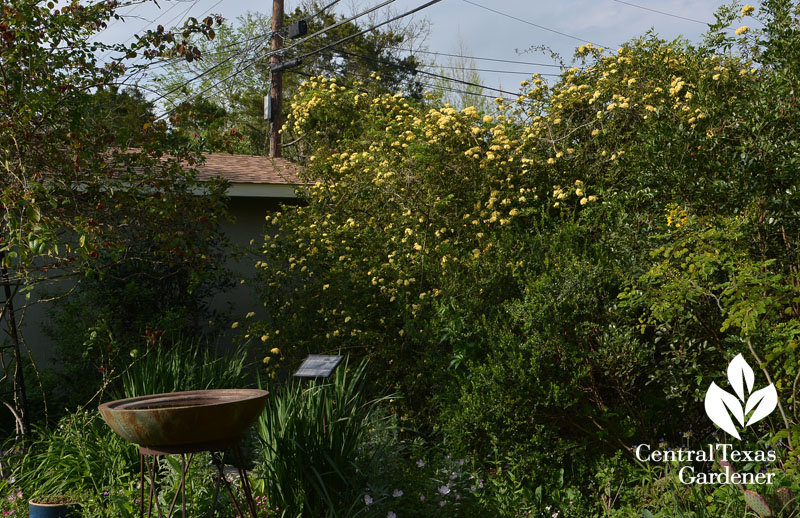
(500, 29)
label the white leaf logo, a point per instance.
(721, 404)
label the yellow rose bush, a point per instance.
(555, 281)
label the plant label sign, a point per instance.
(318, 366)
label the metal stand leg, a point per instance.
(248, 493)
(148, 460)
(141, 485)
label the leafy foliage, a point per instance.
(312, 437)
(234, 74)
(186, 365)
(564, 279)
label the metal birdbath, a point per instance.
(185, 423)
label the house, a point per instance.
(258, 185)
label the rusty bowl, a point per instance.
(185, 418)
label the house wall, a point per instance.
(250, 223)
(249, 214)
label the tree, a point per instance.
(233, 75)
(463, 70)
(74, 198)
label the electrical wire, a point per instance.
(497, 60)
(425, 72)
(194, 3)
(494, 71)
(269, 54)
(242, 67)
(121, 17)
(369, 29)
(465, 92)
(285, 49)
(582, 40)
(322, 10)
(209, 70)
(663, 12)
(429, 85)
(337, 24)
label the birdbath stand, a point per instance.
(186, 423)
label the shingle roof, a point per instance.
(249, 169)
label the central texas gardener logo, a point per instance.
(721, 404)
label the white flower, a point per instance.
(368, 500)
(397, 493)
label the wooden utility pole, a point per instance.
(276, 83)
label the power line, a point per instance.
(322, 10)
(465, 92)
(369, 29)
(439, 87)
(121, 17)
(663, 12)
(497, 60)
(269, 54)
(582, 40)
(176, 59)
(194, 3)
(248, 64)
(242, 67)
(337, 24)
(424, 72)
(146, 26)
(494, 71)
(211, 69)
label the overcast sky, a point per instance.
(482, 32)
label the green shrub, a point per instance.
(564, 278)
(185, 365)
(312, 438)
(80, 455)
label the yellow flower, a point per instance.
(578, 192)
(741, 30)
(234, 325)
(275, 350)
(487, 118)
(593, 198)
(584, 201)
(747, 9)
